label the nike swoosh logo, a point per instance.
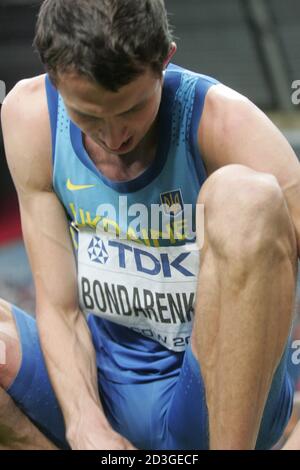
(78, 187)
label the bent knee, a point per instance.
(10, 350)
(246, 208)
(240, 187)
(245, 213)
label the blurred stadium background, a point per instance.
(252, 46)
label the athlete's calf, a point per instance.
(244, 300)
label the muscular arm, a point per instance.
(64, 335)
(234, 131)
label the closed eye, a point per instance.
(86, 117)
(135, 109)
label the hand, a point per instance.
(106, 439)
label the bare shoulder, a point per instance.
(224, 107)
(220, 93)
(27, 134)
(228, 122)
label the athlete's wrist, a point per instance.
(101, 440)
(83, 424)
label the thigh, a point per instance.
(164, 413)
(138, 410)
(187, 415)
(171, 413)
(31, 389)
(279, 405)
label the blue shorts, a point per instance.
(168, 414)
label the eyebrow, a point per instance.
(97, 117)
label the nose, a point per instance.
(113, 135)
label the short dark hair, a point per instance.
(109, 41)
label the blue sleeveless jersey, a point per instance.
(134, 241)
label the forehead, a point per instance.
(82, 94)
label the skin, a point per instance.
(250, 309)
(108, 119)
(293, 443)
(244, 155)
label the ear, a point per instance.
(172, 50)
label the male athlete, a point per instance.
(114, 128)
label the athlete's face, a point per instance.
(115, 121)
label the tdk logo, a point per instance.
(144, 262)
(147, 263)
